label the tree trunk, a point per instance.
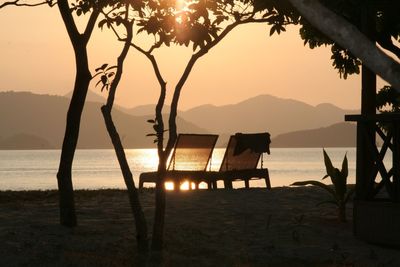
(64, 176)
(82, 80)
(140, 220)
(159, 216)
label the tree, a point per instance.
(202, 25)
(346, 33)
(82, 79)
(110, 81)
(83, 76)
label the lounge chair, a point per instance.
(189, 161)
(241, 159)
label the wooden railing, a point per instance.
(376, 178)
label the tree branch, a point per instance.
(348, 36)
(18, 3)
(91, 23)
(69, 21)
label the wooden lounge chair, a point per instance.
(241, 159)
(189, 161)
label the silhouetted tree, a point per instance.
(339, 24)
(110, 80)
(83, 76)
(202, 25)
(82, 79)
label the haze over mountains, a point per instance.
(31, 121)
(41, 118)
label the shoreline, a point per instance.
(253, 227)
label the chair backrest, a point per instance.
(192, 152)
(244, 151)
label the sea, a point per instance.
(99, 169)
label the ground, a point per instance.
(254, 227)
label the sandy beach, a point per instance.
(255, 227)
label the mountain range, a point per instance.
(42, 117)
(32, 121)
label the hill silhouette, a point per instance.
(337, 135)
(32, 121)
(43, 116)
(265, 113)
(24, 141)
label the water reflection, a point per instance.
(95, 169)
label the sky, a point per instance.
(36, 55)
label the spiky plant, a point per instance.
(339, 192)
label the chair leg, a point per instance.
(214, 185)
(140, 184)
(177, 186)
(228, 184)
(267, 181)
(209, 185)
(246, 183)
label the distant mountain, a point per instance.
(43, 116)
(337, 135)
(265, 113)
(144, 110)
(91, 97)
(24, 141)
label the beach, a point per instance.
(253, 227)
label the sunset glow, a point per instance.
(185, 186)
(247, 63)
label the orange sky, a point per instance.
(36, 55)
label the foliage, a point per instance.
(158, 132)
(106, 74)
(384, 17)
(388, 100)
(340, 193)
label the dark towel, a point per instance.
(258, 143)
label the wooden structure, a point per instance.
(376, 215)
(189, 161)
(242, 155)
(240, 161)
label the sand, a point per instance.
(255, 227)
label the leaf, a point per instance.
(151, 121)
(151, 134)
(271, 32)
(98, 83)
(111, 67)
(101, 68)
(97, 74)
(104, 79)
(110, 74)
(101, 23)
(345, 169)
(330, 170)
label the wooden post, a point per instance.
(395, 160)
(365, 160)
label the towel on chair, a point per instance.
(258, 143)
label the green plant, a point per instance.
(340, 193)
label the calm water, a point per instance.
(93, 169)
